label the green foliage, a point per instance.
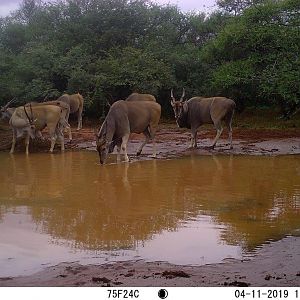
(236, 6)
(256, 57)
(134, 69)
(249, 50)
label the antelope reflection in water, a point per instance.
(122, 205)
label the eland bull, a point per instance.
(76, 106)
(29, 120)
(123, 118)
(197, 111)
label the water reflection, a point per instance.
(249, 200)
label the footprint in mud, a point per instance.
(5, 278)
(101, 280)
(237, 283)
(173, 274)
(75, 270)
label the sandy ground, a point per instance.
(275, 264)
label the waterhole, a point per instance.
(193, 210)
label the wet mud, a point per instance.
(175, 142)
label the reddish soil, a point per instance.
(173, 141)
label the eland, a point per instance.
(197, 111)
(123, 118)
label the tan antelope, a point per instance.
(197, 111)
(61, 104)
(123, 118)
(140, 97)
(76, 106)
(6, 111)
(29, 120)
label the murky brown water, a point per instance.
(195, 210)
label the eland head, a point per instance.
(178, 106)
(102, 144)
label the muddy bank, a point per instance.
(275, 264)
(174, 142)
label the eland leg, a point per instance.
(124, 146)
(62, 142)
(12, 149)
(68, 127)
(149, 134)
(193, 139)
(53, 140)
(53, 136)
(229, 122)
(147, 138)
(79, 126)
(154, 149)
(27, 143)
(230, 135)
(152, 136)
(59, 134)
(219, 132)
(118, 153)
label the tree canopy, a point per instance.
(247, 50)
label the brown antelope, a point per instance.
(76, 105)
(123, 118)
(197, 111)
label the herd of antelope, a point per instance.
(139, 113)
